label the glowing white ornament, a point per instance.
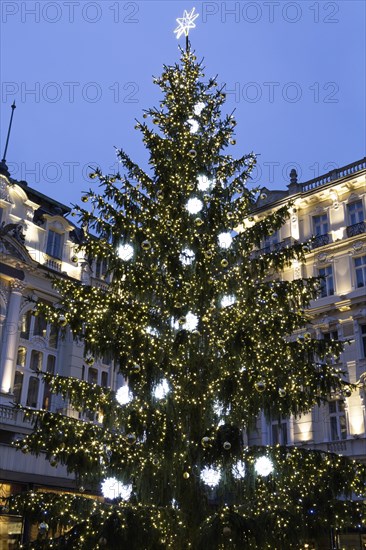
(161, 390)
(186, 23)
(191, 321)
(238, 470)
(194, 206)
(263, 466)
(194, 125)
(210, 476)
(152, 331)
(123, 395)
(225, 240)
(187, 256)
(228, 300)
(125, 252)
(218, 408)
(198, 108)
(112, 488)
(204, 183)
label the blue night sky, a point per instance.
(81, 72)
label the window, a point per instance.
(36, 360)
(32, 395)
(355, 212)
(320, 224)
(360, 268)
(54, 244)
(279, 433)
(363, 340)
(332, 335)
(53, 336)
(326, 284)
(101, 268)
(269, 243)
(104, 379)
(51, 362)
(18, 385)
(337, 419)
(22, 356)
(28, 388)
(25, 323)
(40, 326)
(93, 376)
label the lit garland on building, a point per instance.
(192, 318)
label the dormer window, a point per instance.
(54, 244)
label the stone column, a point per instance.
(10, 338)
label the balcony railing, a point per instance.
(356, 229)
(320, 240)
(275, 247)
(53, 264)
(333, 175)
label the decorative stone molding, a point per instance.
(17, 286)
(4, 189)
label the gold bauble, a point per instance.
(224, 262)
(145, 245)
(260, 386)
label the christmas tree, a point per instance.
(207, 336)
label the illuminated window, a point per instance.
(29, 389)
(355, 212)
(360, 269)
(326, 284)
(25, 324)
(54, 244)
(22, 356)
(337, 420)
(320, 224)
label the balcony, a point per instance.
(275, 247)
(356, 229)
(320, 240)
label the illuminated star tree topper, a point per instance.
(186, 23)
